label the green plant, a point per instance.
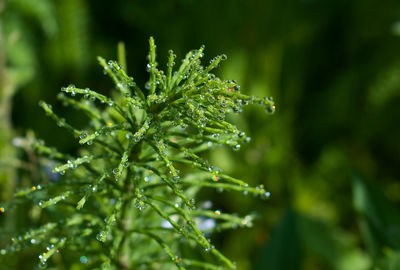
(123, 202)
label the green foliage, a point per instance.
(123, 201)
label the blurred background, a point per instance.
(330, 155)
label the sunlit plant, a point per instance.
(124, 203)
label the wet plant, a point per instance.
(123, 202)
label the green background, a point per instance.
(330, 155)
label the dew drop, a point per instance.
(83, 135)
(83, 259)
(270, 108)
(43, 265)
(266, 195)
(236, 147)
(101, 236)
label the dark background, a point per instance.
(330, 155)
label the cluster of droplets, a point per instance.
(33, 237)
(72, 164)
(55, 200)
(70, 89)
(192, 98)
(140, 200)
(264, 194)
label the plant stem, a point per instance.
(7, 152)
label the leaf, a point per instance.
(337, 248)
(380, 222)
(283, 249)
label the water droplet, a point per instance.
(218, 212)
(260, 187)
(41, 203)
(2, 209)
(33, 241)
(175, 178)
(266, 195)
(43, 264)
(192, 204)
(270, 108)
(83, 259)
(101, 236)
(208, 248)
(236, 147)
(216, 178)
